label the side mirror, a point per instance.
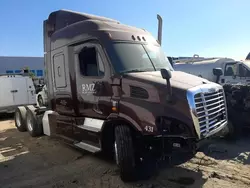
(166, 74)
(217, 72)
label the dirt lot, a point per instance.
(45, 162)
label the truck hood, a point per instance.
(179, 79)
(155, 88)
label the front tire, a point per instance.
(124, 151)
(34, 123)
(20, 118)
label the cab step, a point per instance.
(91, 124)
(89, 147)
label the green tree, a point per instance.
(31, 74)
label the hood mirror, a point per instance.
(166, 74)
(217, 72)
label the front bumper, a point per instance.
(175, 143)
(220, 131)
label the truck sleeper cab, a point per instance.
(111, 89)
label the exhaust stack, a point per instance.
(159, 28)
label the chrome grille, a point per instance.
(208, 108)
(211, 110)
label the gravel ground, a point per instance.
(46, 162)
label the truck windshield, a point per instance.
(130, 57)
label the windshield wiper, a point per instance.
(133, 70)
(136, 70)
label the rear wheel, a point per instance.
(34, 123)
(20, 116)
(124, 153)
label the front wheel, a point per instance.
(124, 153)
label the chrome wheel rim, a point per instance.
(116, 153)
(18, 120)
(29, 123)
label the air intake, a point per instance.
(138, 92)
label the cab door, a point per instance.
(92, 80)
(94, 90)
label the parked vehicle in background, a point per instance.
(233, 72)
(38, 87)
(41, 97)
(15, 90)
(185, 59)
(111, 89)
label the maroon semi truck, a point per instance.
(111, 89)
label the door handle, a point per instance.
(58, 71)
(14, 91)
